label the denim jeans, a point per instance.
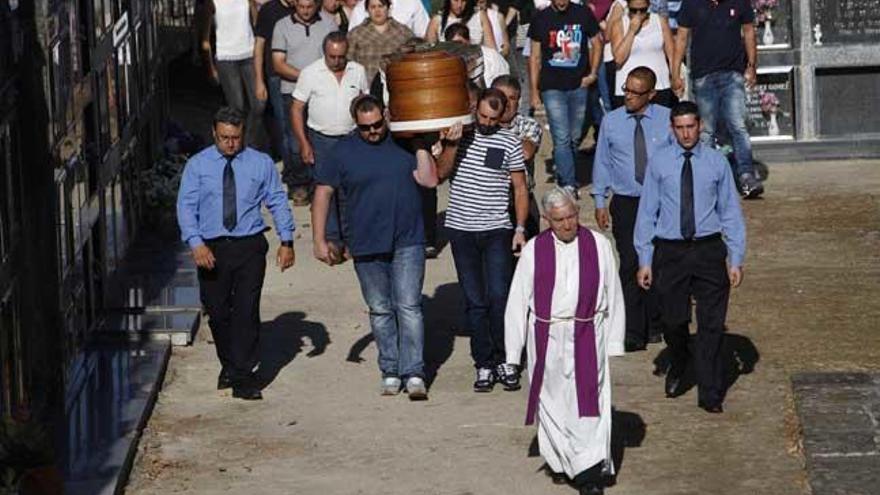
(238, 81)
(721, 97)
(322, 144)
(392, 288)
(288, 146)
(484, 263)
(299, 174)
(566, 111)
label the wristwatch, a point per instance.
(288, 244)
(520, 229)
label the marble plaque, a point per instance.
(773, 23)
(844, 22)
(770, 105)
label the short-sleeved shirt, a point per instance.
(565, 42)
(716, 34)
(270, 14)
(301, 43)
(383, 202)
(479, 189)
(329, 99)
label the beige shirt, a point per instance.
(329, 99)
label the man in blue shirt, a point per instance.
(691, 238)
(381, 182)
(723, 62)
(218, 210)
(629, 136)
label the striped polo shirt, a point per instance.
(479, 190)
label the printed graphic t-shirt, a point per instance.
(565, 42)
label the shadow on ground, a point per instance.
(738, 354)
(283, 338)
(441, 313)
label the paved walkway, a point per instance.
(323, 428)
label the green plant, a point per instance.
(158, 185)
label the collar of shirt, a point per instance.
(216, 155)
(307, 24)
(326, 70)
(649, 112)
(696, 150)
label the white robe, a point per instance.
(568, 443)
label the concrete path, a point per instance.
(323, 428)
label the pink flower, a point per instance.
(769, 102)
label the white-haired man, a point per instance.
(566, 284)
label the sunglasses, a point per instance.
(643, 10)
(375, 126)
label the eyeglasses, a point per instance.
(643, 10)
(375, 126)
(633, 92)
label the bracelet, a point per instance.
(520, 229)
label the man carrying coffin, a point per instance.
(566, 305)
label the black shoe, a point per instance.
(224, 381)
(485, 381)
(508, 376)
(712, 408)
(247, 392)
(633, 346)
(591, 489)
(431, 252)
(673, 381)
(655, 338)
(558, 478)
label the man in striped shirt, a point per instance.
(483, 163)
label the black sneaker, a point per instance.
(508, 376)
(485, 381)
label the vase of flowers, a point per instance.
(158, 186)
(770, 109)
(764, 15)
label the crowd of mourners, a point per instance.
(670, 198)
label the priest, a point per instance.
(566, 305)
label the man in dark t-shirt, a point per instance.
(723, 62)
(560, 75)
(386, 237)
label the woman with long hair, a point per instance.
(472, 14)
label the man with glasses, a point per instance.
(328, 87)
(380, 181)
(629, 136)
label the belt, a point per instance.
(232, 238)
(564, 319)
(696, 240)
(329, 136)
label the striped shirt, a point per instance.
(479, 190)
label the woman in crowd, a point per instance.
(378, 36)
(469, 13)
(642, 38)
(333, 9)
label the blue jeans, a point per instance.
(288, 146)
(322, 144)
(392, 288)
(484, 263)
(298, 174)
(721, 97)
(566, 111)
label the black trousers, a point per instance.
(230, 294)
(699, 269)
(642, 311)
(429, 214)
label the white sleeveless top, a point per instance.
(235, 37)
(647, 50)
(473, 24)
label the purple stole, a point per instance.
(586, 372)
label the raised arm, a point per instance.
(425, 173)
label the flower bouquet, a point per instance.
(764, 15)
(770, 107)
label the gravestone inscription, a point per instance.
(844, 21)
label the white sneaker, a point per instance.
(390, 385)
(416, 388)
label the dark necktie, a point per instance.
(688, 221)
(640, 149)
(230, 213)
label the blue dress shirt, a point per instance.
(614, 166)
(716, 202)
(200, 198)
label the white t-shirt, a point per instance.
(494, 65)
(329, 100)
(235, 37)
(647, 50)
(475, 27)
(410, 13)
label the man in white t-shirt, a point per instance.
(327, 86)
(410, 13)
